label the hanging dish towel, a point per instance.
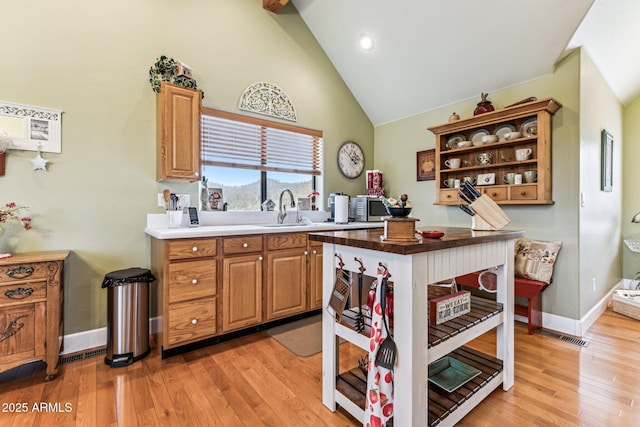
(379, 402)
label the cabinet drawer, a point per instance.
(192, 321)
(524, 192)
(191, 248)
(286, 241)
(27, 271)
(22, 293)
(191, 279)
(497, 193)
(449, 195)
(242, 244)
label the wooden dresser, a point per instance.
(31, 296)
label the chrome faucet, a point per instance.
(282, 212)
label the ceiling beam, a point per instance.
(274, 5)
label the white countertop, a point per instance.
(157, 227)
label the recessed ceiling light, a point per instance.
(366, 42)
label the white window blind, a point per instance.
(233, 140)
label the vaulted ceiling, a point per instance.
(428, 54)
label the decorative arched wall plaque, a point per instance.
(268, 99)
(31, 128)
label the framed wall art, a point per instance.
(607, 161)
(31, 128)
(426, 165)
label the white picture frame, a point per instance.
(31, 128)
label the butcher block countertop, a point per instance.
(453, 237)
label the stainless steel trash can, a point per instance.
(127, 315)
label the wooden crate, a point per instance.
(627, 302)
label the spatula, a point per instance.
(386, 355)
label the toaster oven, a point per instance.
(367, 209)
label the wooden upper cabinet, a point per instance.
(533, 119)
(178, 133)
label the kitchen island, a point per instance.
(412, 266)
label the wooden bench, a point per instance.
(524, 288)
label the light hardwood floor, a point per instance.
(253, 381)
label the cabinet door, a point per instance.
(241, 292)
(22, 331)
(178, 133)
(286, 283)
(315, 276)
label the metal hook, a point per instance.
(385, 271)
(340, 264)
(361, 268)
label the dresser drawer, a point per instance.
(27, 271)
(448, 195)
(22, 293)
(191, 248)
(191, 279)
(241, 244)
(524, 192)
(286, 241)
(192, 321)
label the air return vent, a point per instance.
(565, 338)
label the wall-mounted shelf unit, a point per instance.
(533, 119)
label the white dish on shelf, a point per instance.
(477, 135)
(489, 139)
(451, 142)
(529, 128)
(503, 129)
(463, 144)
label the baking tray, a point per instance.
(449, 373)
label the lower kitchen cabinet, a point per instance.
(241, 291)
(286, 282)
(31, 296)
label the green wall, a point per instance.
(91, 61)
(560, 221)
(631, 195)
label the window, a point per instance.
(253, 160)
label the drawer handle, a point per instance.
(245, 245)
(194, 281)
(306, 253)
(523, 193)
(20, 272)
(19, 293)
(13, 328)
(260, 258)
(194, 321)
(194, 249)
(494, 194)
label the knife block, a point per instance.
(489, 216)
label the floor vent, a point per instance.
(68, 358)
(565, 338)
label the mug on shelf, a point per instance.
(453, 163)
(509, 178)
(523, 154)
(451, 182)
(530, 176)
(483, 159)
(471, 180)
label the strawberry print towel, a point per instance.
(379, 399)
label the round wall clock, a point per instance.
(351, 159)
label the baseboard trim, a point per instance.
(93, 338)
(575, 327)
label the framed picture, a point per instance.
(214, 200)
(426, 165)
(607, 161)
(30, 127)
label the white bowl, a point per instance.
(487, 139)
(477, 143)
(463, 144)
(512, 135)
